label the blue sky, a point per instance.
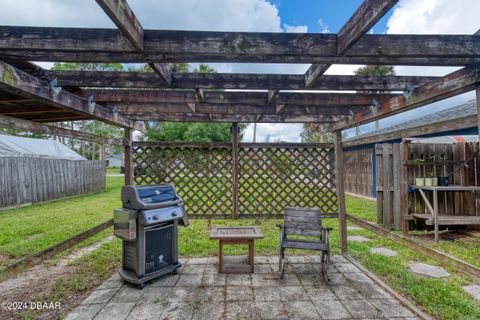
(320, 14)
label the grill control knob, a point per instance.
(155, 216)
(174, 214)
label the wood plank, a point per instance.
(123, 17)
(339, 185)
(235, 168)
(128, 157)
(442, 126)
(67, 44)
(143, 57)
(455, 83)
(30, 126)
(19, 82)
(135, 110)
(364, 18)
(302, 232)
(268, 118)
(113, 79)
(397, 216)
(387, 180)
(313, 74)
(143, 96)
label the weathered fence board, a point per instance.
(30, 180)
(408, 161)
(270, 176)
(359, 172)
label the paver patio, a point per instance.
(199, 292)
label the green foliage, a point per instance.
(193, 132)
(312, 133)
(88, 66)
(375, 70)
(204, 68)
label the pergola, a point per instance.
(31, 96)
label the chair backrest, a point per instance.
(303, 221)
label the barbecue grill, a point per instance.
(148, 225)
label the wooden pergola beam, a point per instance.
(247, 118)
(437, 127)
(455, 83)
(134, 80)
(63, 44)
(122, 15)
(208, 108)
(35, 127)
(364, 18)
(234, 97)
(23, 84)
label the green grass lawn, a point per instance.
(466, 249)
(28, 230)
(113, 170)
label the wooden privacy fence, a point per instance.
(359, 167)
(30, 180)
(259, 182)
(397, 166)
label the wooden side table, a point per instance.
(236, 235)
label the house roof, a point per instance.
(467, 109)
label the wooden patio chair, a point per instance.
(305, 223)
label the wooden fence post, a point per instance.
(478, 110)
(387, 204)
(339, 176)
(235, 169)
(404, 223)
(128, 157)
(379, 182)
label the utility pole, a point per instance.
(254, 132)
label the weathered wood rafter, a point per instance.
(207, 108)
(232, 81)
(233, 97)
(23, 84)
(30, 126)
(122, 15)
(76, 44)
(455, 83)
(364, 18)
(249, 118)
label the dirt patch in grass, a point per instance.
(62, 281)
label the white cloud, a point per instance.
(431, 17)
(298, 29)
(323, 26)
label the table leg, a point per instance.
(220, 256)
(435, 213)
(251, 256)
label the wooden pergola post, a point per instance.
(235, 168)
(339, 185)
(478, 110)
(128, 157)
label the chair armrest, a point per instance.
(328, 229)
(280, 225)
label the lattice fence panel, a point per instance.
(270, 176)
(273, 177)
(201, 174)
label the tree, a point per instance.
(312, 133)
(374, 70)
